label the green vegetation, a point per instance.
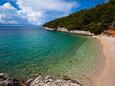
(95, 20)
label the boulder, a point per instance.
(6, 80)
(38, 80)
(49, 81)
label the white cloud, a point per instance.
(8, 6)
(58, 5)
(36, 10)
(32, 16)
(9, 15)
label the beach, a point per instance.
(107, 74)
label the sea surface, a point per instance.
(28, 50)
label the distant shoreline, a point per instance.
(109, 32)
(79, 32)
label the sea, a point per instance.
(29, 50)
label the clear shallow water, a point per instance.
(31, 50)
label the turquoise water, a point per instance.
(31, 50)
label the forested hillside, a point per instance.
(95, 20)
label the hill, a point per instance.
(95, 20)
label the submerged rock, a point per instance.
(49, 81)
(6, 80)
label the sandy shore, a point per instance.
(107, 74)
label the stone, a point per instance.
(6, 80)
(66, 77)
(49, 81)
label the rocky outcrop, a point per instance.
(37, 80)
(79, 32)
(49, 81)
(46, 28)
(6, 80)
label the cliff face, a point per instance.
(95, 20)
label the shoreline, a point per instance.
(87, 80)
(78, 32)
(105, 72)
(106, 76)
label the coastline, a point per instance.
(78, 32)
(104, 72)
(106, 76)
(87, 79)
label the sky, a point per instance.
(40, 11)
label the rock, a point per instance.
(38, 80)
(3, 76)
(49, 81)
(66, 77)
(27, 83)
(6, 80)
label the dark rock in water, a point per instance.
(3, 76)
(66, 77)
(49, 81)
(74, 81)
(28, 82)
(37, 80)
(6, 80)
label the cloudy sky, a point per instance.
(40, 11)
